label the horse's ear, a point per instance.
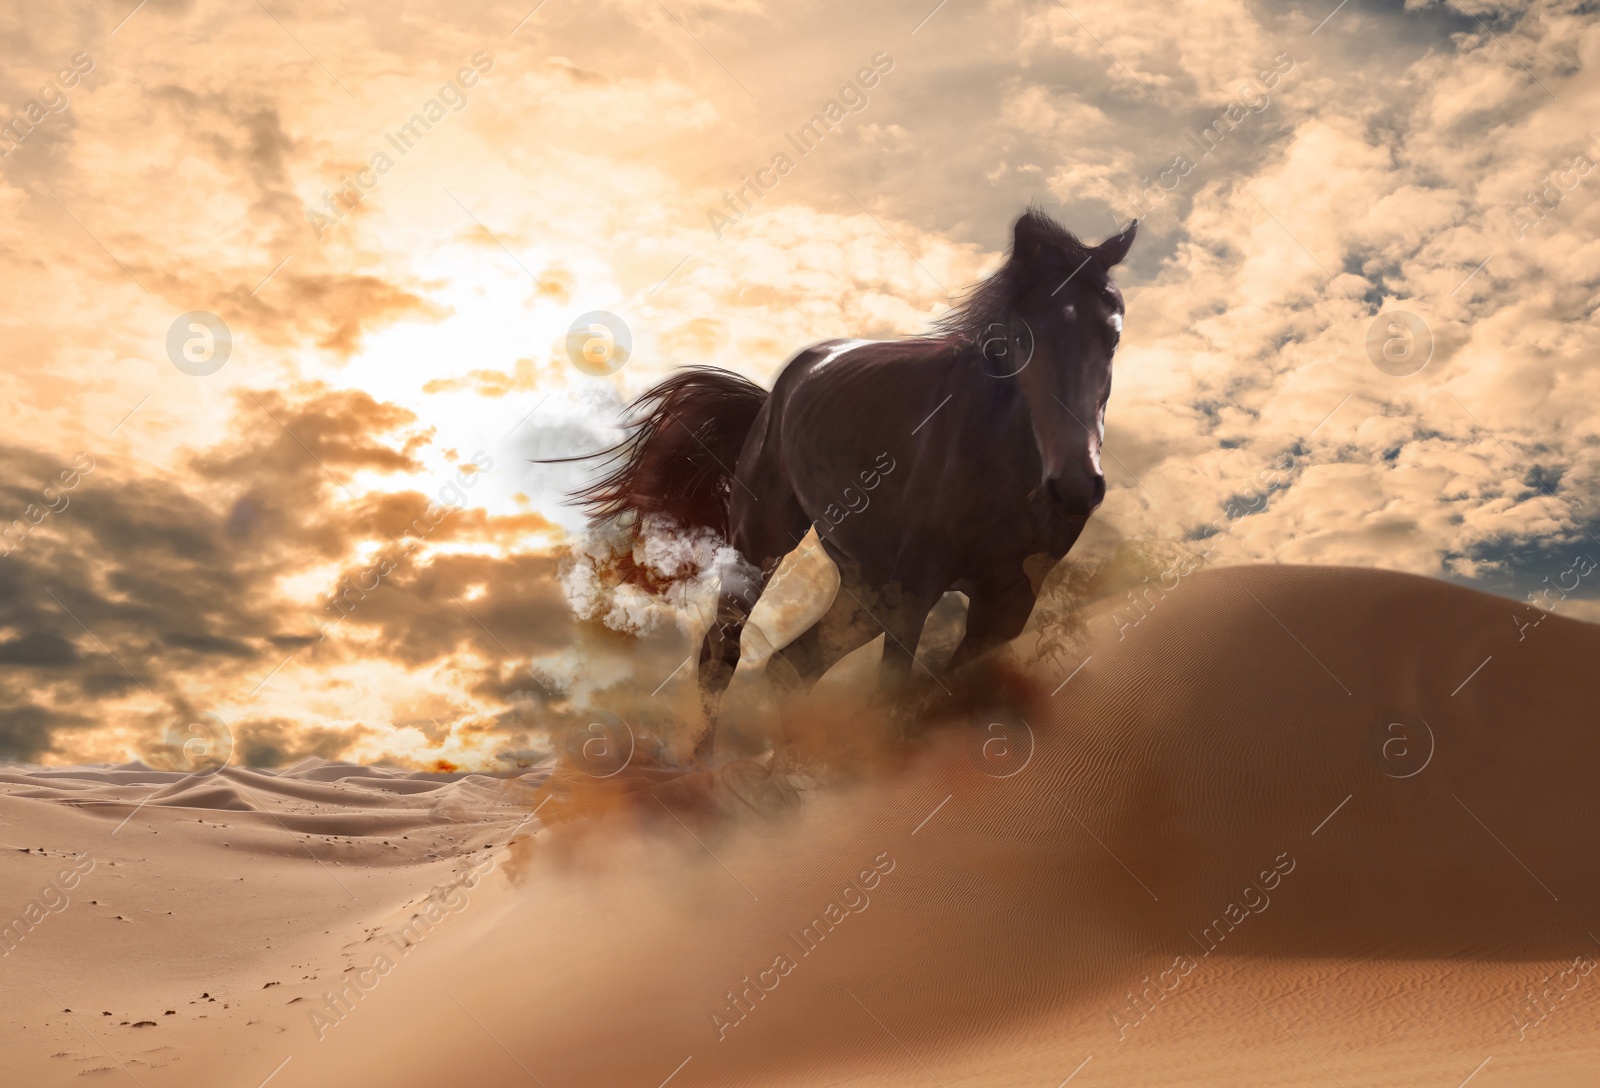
(1027, 240)
(1109, 253)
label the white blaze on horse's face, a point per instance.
(1099, 440)
(1068, 395)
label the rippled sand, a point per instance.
(1280, 832)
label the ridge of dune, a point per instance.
(317, 769)
(122, 774)
(203, 793)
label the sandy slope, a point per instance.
(1231, 854)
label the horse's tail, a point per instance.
(687, 433)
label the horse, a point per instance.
(966, 459)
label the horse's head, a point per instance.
(1060, 330)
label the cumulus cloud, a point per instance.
(1341, 165)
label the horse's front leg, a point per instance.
(997, 614)
(902, 616)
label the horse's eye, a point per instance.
(1116, 324)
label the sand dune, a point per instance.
(1294, 826)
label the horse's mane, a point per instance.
(990, 303)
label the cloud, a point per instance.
(140, 599)
(275, 742)
(1415, 159)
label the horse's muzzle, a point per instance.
(1076, 493)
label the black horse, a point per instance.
(967, 459)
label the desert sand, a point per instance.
(1297, 826)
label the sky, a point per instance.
(271, 341)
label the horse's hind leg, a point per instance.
(845, 627)
(763, 533)
(719, 654)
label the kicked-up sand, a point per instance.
(1297, 826)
